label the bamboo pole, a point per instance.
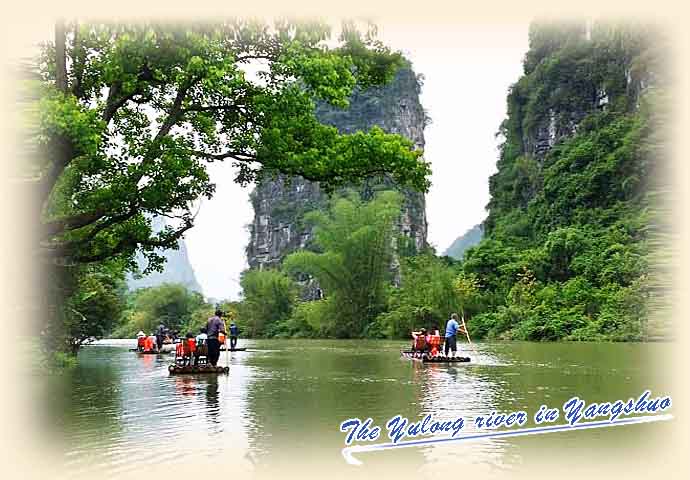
(464, 327)
(227, 351)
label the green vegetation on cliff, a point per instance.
(353, 265)
(566, 247)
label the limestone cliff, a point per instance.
(177, 269)
(572, 71)
(280, 203)
(574, 213)
(596, 66)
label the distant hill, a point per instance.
(177, 269)
(468, 239)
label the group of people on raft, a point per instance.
(204, 348)
(155, 341)
(193, 349)
(428, 343)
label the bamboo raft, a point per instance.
(197, 369)
(425, 358)
(167, 348)
(243, 349)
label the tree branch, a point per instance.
(239, 156)
(133, 210)
(114, 101)
(174, 237)
(175, 111)
(244, 58)
(74, 222)
(173, 116)
(60, 145)
(81, 220)
(63, 151)
(210, 108)
(67, 253)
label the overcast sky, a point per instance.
(467, 70)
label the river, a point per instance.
(283, 401)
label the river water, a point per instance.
(283, 401)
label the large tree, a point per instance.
(130, 114)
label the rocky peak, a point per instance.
(280, 203)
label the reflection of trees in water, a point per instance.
(523, 376)
(70, 400)
(304, 391)
(212, 399)
(124, 410)
(91, 384)
(119, 407)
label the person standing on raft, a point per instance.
(451, 340)
(234, 333)
(160, 335)
(214, 328)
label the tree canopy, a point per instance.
(130, 114)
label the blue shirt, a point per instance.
(451, 328)
(234, 331)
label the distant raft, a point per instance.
(197, 369)
(243, 349)
(425, 358)
(166, 348)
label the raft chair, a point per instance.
(434, 344)
(184, 352)
(202, 353)
(187, 352)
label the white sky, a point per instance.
(467, 71)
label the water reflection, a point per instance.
(212, 400)
(302, 391)
(120, 410)
(451, 391)
(152, 416)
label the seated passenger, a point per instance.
(202, 337)
(150, 343)
(419, 340)
(201, 350)
(189, 348)
(141, 339)
(434, 343)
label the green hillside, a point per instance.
(566, 248)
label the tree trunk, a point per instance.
(60, 56)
